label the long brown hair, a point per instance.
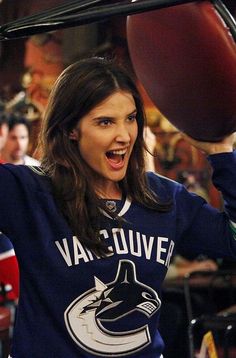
(81, 87)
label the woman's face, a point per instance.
(106, 136)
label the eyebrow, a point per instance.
(109, 117)
(134, 112)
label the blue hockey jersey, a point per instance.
(73, 304)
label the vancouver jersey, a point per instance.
(74, 304)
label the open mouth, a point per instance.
(116, 156)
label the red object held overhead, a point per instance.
(185, 57)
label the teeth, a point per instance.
(118, 152)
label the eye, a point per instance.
(132, 117)
(105, 122)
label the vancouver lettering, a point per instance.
(130, 242)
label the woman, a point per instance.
(93, 232)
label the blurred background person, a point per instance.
(9, 273)
(17, 143)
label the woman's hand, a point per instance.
(224, 146)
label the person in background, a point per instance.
(9, 272)
(17, 143)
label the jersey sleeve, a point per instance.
(7, 197)
(224, 179)
(209, 230)
(14, 189)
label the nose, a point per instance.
(123, 134)
(18, 143)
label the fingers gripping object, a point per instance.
(185, 56)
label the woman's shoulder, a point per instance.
(157, 180)
(22, 170)
(24, 175)
(165, 188)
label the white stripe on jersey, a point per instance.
(7, 254)
(233, 228)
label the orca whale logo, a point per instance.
(86, 316)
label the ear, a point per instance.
(73, 134)
(3, 129)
